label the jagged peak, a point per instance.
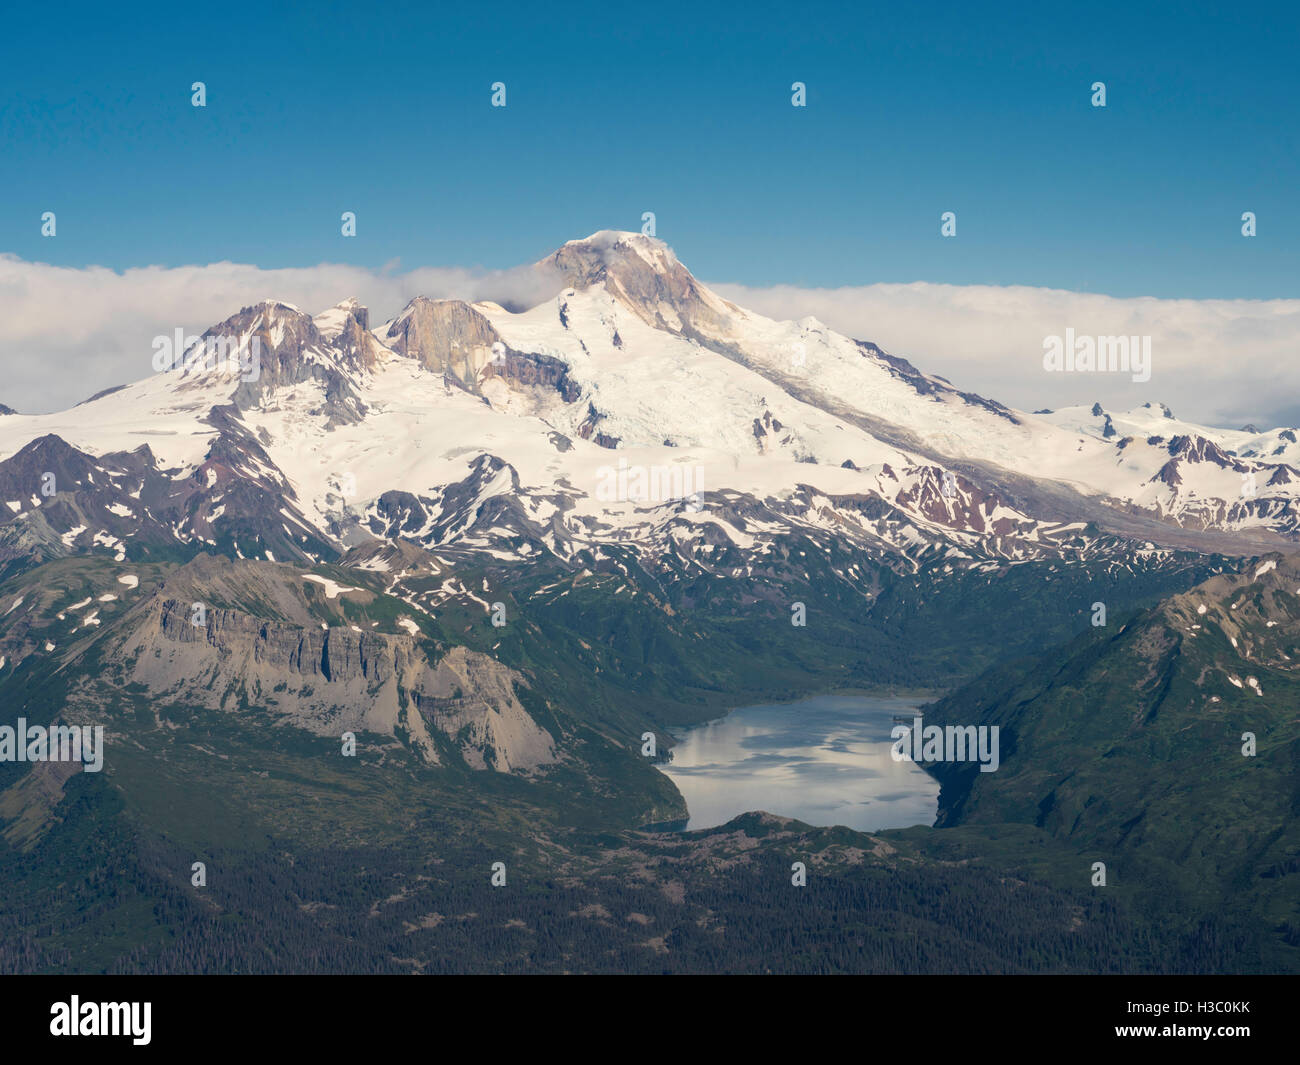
(611, 239)
(274, 304)
(332, 322)
(607, 248)
(260, 314)
(644, 274)
(436, 305)
(426, 301)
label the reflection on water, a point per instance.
(825, 761)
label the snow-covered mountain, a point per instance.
(633, 409)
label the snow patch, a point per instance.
(332, 588)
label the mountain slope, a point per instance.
(1166, 745)
(499, 545)
(601, 411)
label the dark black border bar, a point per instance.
(337, 1014)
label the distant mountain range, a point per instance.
(474, 427)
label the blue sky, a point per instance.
(680, 109)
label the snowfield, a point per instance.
(424, 426)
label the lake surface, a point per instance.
(824, 760)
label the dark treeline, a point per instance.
(416, 909)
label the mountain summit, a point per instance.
(498, 430)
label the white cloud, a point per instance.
(66, 333)
(1219, 362)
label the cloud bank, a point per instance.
(69, 332)
(1219, 362)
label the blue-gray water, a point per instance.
(824, 760)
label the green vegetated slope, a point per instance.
(1128, 747)
(628, 646)
(317, 862)
(104, 894)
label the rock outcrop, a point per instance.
(327, 679)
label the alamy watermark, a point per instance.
(200, 354)
(1096, 354)
(102, 1018)
(57, 743)
(650, 484)
(950, 743)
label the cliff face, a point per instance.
(470, 697)
(333, 680)
(447, 336)
(450, 337)
(291, 350)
